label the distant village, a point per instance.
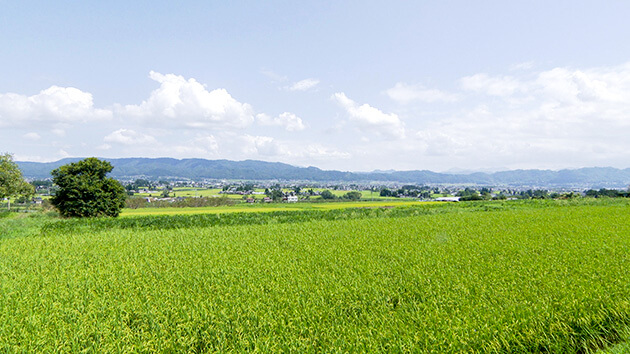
(291, 192)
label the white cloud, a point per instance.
(129, 137)
(291, 151)
(318, 151)
(494, 86)
(188, 103)
(32, 136)
(303, 85)
(209, 143)
(286, 120)
(263, 146)
(52, 105)
(572, 86)
(405, 93)
(371, 119)
(560, 117)
(199, 147)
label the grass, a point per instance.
(471, 277)
(15, 225)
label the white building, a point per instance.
(447, 199)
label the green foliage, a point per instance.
(12, 184)
(85, 191)
(500, 196)
(467, 192)
(245, 187)
(534, 194)
(275, 193)
(385, 192)
(603, 192)
(471, 197)
(140, 183)
(327, 195)
(354, 195)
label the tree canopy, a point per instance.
(327, 195)
(11, 181)
(354, 195)
(85, 191)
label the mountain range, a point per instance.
(197, 169)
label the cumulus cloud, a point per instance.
(557, 117)
(303, 85)
(263, 146)
(209, 143)
(286, 120)
(188, 103)
(129, 137)
(52, 105)
(371, 119)
(405, 93)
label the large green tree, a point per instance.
(12, 184)
(85, 191)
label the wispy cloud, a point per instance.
(405, 93)
(303, 85)
(494, 86)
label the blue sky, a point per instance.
(348, 85)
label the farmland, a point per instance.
(248, 208)
(516, 276)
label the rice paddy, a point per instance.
(471, 277)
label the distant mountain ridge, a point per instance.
(155, 168)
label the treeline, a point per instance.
(610, 193)
(409, 191)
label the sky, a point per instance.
(346, 85)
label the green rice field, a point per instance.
(478, 277)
